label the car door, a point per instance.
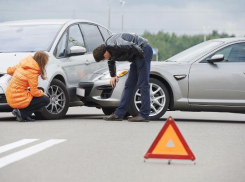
(76, 66)
(93, 38)
(220, 83)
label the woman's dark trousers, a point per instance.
(36, 104)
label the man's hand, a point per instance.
(113, 81)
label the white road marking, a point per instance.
(4, 161)
(11, 146)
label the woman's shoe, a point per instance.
(16, 112)
(28, 119)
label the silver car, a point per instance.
(69, 44)
(207, 77)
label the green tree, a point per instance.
(170, 44)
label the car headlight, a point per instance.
(120, 73)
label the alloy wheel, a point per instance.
(57, 100)
(157, 99)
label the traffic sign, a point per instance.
(170, 144)
(155, 51)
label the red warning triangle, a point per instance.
(170, 144)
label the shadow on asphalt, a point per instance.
(203, 120)
(8, 119)
(100, 116)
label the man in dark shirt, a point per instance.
(135, 49)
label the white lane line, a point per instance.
(4, 161)
(16, 144)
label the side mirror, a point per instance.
(77, 50)
(216, 58)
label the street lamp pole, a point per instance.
(109, 13)
(122, 3)
(204, 34)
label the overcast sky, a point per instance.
(178, 16)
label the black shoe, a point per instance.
(16, 112)
(112, 117)
(28, 119)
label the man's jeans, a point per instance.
(139, 75)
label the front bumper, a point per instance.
(4, 107)
(101, 94)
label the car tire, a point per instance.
(59, 102)
(110, 110)
(160, 105)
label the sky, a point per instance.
(173, 16)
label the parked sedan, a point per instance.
(69, 44)
(207, 77)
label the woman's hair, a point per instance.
(99, 53)
(42, 59)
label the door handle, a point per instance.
(87, 62)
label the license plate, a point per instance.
(81, 92)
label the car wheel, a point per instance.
(109, 110)
(59, 102)
(159, 99)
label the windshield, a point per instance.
(27, 38)
(195, 52)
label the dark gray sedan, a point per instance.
(207, 77)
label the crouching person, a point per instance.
(22, 93)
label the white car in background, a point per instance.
(69, 44)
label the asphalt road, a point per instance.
(83, 147)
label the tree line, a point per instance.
(170, 44)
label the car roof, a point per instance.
(44, 22)
(231, 39)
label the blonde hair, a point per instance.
(42, 59)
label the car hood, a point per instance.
(164, 63)
(126, 65)
(11, 59)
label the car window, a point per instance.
(75, 37)
(27, 38)
(233, 53)
(105, 33)
(92, 36)
(61, 47)
(195, 52)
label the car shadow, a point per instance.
(84, 116)
(8, 119)
(203, 120)
(100, 116)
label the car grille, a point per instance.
(3, 98)
(107, 91)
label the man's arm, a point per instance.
(112, 67)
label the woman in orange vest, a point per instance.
(22, 93)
